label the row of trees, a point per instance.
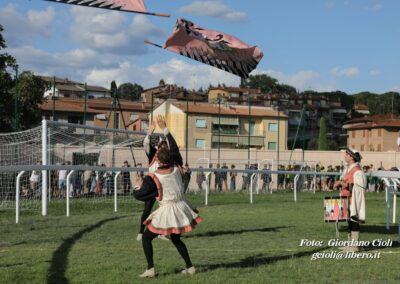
(377, 103)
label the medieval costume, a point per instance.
(174, 216)
(151, 151)
(354, 183)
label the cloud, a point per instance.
(216, 9)
(395, 89)
(192, 76)
(374, 7)
(375, 72)
(174, 71)
(111, 32)
(20, 29)
(347, 72)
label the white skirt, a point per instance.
(172, 217)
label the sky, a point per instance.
(321, 45)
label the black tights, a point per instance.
(353, 226)
(148, 237)
(148, 205)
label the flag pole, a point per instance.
(152, 43)
(116, 9)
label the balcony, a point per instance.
(238, 139)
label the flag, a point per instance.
(135, 6)
(214, 48)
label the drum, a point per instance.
(336, 209)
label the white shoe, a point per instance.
(163, 237)
(139, 237)
(190, 271)
(149, 273)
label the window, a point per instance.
(201, 123)
(379, 132)
(271, 145)
(200, 143)
(379, 148)
(252, 128)
(364, 133)
(272, 127)
(353, 134)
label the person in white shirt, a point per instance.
(353, 184)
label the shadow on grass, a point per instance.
(395, 244)
(378, 229)
(231, 232)
(258, 260)
(59, 261)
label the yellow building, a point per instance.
(374, 133)
(228, 126)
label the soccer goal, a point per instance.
(59, 148)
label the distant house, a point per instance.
(169, 91)
(233, 95)
(362, 109)
(98, 112)
(72, 89)
(373, 133)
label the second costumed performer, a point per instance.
(174, 216)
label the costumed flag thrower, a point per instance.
(133, 6)
(217, 49)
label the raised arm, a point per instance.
(148, 148)
(173, 147)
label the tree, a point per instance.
(113, 88)
(161, 83)
(129, 91)
(322, 140)
(6, 85)
(267, 85)
(30, 95)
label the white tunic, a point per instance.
(175, 215)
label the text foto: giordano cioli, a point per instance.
(339, 243)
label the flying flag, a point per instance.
(214, 48)
(134, 6)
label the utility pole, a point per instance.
(84, 118)
(248, 137)
(16, 99)
(219, 127)
(187, 124)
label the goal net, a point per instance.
(68, 145)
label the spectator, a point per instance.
(186, 178)
(62, 176)
(93, 183)
(126, 179)
(33, 181)
(253, 177)
(233, 176)
(245, 177)
(224, 177)
(200, 177)
(281, 177)
(218, 180)
(266, 177)
(210, 166)
(87, 181)
(109, 183)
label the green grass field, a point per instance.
(236, 243)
